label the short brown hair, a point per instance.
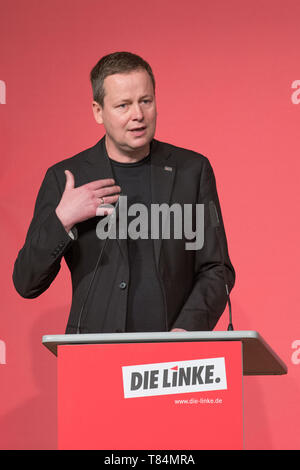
(117, 62)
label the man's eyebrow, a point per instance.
(128, 100)
(122, 100)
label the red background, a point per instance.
(224, 73)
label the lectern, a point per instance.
(171, 391)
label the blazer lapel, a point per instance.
(163, 170)
(98, 161)
(100, 169)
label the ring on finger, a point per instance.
(101, 201)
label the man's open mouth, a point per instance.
(138, 129)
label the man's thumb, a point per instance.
(70, 181)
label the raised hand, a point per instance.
(86, 201)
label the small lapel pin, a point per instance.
(168, 168)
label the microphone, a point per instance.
(110, 224)
(216, 224)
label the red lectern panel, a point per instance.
(182, 396)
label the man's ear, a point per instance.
(97, 110)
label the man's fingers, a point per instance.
(70, 181)
(108, 199)
(98, 184)
(107, 191)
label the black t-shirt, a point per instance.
(145, 307)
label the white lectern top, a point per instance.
(258, 356)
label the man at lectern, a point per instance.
(137, 221)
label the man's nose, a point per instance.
(137, 112)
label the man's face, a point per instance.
(128, 113)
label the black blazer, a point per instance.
(192, 281)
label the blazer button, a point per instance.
(122, 285)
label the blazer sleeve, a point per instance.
(38, 262)
(208, 298)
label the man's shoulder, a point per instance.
(76, 160)
(182, 155)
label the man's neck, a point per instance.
(126, 156)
